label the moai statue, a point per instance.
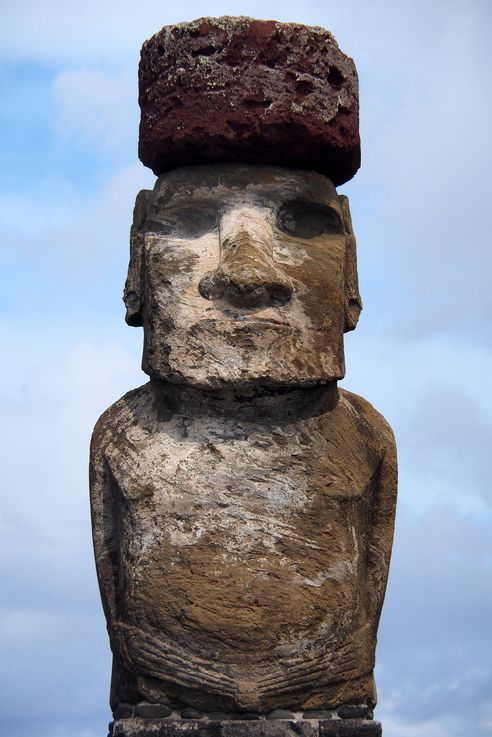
(243, 504)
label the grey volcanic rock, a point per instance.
(192, 714)
(353, 711)
(242, 505)
(188, 728)
(259, 728)
(220, 90)
(280, 714)
(231, 265)
(350, 728)
(123, 711)
(152, 711)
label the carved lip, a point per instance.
(252, 319)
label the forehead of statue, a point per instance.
(255, 184)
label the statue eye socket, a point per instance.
(184, 222)
(308, 220)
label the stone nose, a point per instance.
(247, 275)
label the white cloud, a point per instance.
(435, 633)
(74, 264)
(100, 230)
(97, 108)
(51, 620)
(430, 728)
(47, 443)
(49, 213)
(448, 440)
(486, 717)
(112, 31)
(431, 153)
(442, 417)
(394, 373)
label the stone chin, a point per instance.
(253, 353)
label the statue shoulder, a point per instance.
(115, 420)
(369, 420)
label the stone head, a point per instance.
(243, 276)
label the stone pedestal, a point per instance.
(134, 727)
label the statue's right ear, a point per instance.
(353, 302)
(132, 295)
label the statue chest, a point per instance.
(229, 528)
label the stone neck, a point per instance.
(262, 404)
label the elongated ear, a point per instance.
(353, 302)
(132, 295)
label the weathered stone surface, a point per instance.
(220, 90)
(317, 714)
(350, 728)
(242, 505)
(259, 728)
(217, 245)
(249, 715)
(219, 716)
(184, 728)
(151, 711)
(353, 711)
(281, 714)
(123, 711)
(209, 602)
(192, 714)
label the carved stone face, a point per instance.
(243, 276)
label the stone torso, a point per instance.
(242, 549)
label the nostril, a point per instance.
(280, 292)
(210, 287)
(246, 296)
(252, 292)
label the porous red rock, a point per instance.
(253, 91)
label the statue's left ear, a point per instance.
(353, 302)
(132, 295)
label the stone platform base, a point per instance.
(134, 727)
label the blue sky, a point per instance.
(420, 204)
